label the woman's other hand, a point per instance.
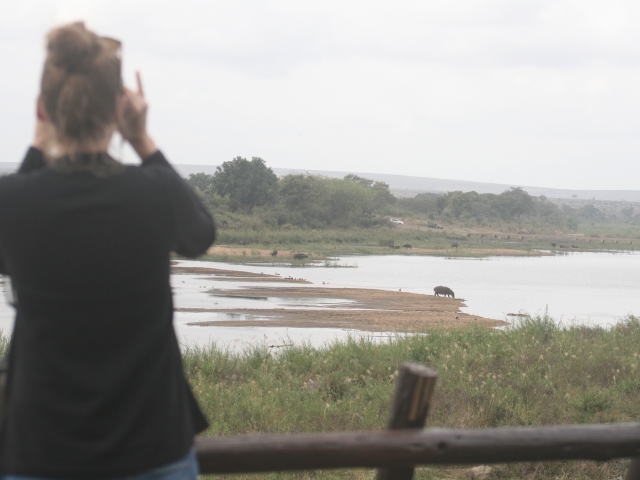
(132, 121)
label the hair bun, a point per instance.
(80, 84)
(73, 47)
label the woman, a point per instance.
(96, 387)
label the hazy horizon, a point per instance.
(408, 186)
(536, 93)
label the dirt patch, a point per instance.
(370, 310)
(235, 275)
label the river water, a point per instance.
(592, 288)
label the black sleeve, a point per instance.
(33, 160)
(193, 226)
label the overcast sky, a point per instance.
(540, 93)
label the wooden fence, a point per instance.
(406, 443)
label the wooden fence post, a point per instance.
(409, 408)
(634, 470)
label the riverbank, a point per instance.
(361, 309)
(535, 373)
(323, 255)
(321, 246)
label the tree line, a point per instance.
(250, 187)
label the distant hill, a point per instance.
(407, 186)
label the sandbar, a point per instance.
(368, 310)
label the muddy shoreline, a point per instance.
(235, 275)
(367, 310)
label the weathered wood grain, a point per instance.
(263, 453)
(409, 409)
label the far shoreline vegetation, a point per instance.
(257, 212)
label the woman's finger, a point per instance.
(139, 80)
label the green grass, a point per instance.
(376, 241)
(535, 373)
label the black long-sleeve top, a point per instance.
(96, 385)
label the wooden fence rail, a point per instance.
(265, 453)
(396, 452)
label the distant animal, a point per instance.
(468, 235)
(274, 253)
(407, 246)
(445, 291)
(508, 237)
(396, 247)
(553, 244)
(455, 245)
(521, 237)
(602, 241)
(563, 246)
(575, 246)
(300, 256)
(495, 236)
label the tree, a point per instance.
(382, 195)
(247, 183)
(347, 202)
(590, 211)
(461, 203)
(363, 182)
(513, 203)
(303, 198)
(202, 181)
(441, 202)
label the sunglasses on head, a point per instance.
(113, 44)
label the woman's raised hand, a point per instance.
(132, 121)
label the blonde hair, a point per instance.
(81, 84)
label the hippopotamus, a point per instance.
(445, 291)
(300, 256)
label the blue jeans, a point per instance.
(184, 469)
